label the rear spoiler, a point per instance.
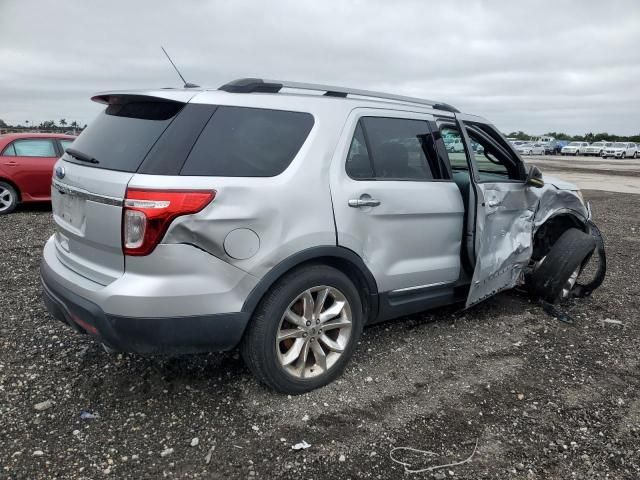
(168, 95)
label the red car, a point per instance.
(26, 166)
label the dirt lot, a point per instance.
(543, 399)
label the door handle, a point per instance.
(363, 202)
(11, 164)
(493, 203)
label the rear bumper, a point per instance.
(170, 335)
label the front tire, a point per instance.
(8, 198)
(304, 331)
(555, 275)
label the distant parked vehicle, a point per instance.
(597, 148)
(454, 146)
(574, 148)
(560, 144)
(621, 150)
(531, 149)
(26, 167)
(553, 147)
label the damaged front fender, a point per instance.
(508, 217)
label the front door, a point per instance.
(505, 207)
(394, 202)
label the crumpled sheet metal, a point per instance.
(511, 241)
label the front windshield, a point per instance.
(619, 145)
(597, 144)
(574, 144)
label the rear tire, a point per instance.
(293, 348)
(8, 198)
(553, 278)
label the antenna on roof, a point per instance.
(186, 84)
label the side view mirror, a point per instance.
(534, 177)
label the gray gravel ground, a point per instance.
(543, 399)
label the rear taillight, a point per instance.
(148, 213)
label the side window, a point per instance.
(248, 142)
(358, 161)
(454, 145)
(397, 149)
(10, 151)
(494, 163)
(34, 148)
(65, 143)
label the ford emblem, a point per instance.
(60, 173)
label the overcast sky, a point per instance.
(536, 66)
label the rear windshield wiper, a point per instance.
(83, 157)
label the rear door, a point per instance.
(505, 206)
(30, 162)
(91, 180)
(394, 202)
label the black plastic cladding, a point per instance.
(250, 85)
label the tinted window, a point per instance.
(120, 137)
(397, 148)
(34, 148)
(248, 142)
(358, 161)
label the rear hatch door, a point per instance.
(90, 179)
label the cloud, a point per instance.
(547, 65)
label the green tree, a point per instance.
(2, 124)
(63, 122)
(519, 135)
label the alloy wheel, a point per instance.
(571, 281)
(314, 331)
(6, 199)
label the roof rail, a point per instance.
(252, 85)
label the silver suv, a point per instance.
(283, 217)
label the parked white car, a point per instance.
(454, 145)
(574, 148)
(621, 150)
(531, 149)
(597, 148)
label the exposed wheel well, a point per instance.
(15, 187)
(549, 232)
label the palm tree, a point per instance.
(63, 122)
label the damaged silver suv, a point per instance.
(283, 217)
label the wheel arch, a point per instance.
(343, 259)
(14, 185)
(547, 233)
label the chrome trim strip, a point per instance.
(78, 192)
(418, 287)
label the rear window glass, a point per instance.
(120, 137)
(248, 142)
